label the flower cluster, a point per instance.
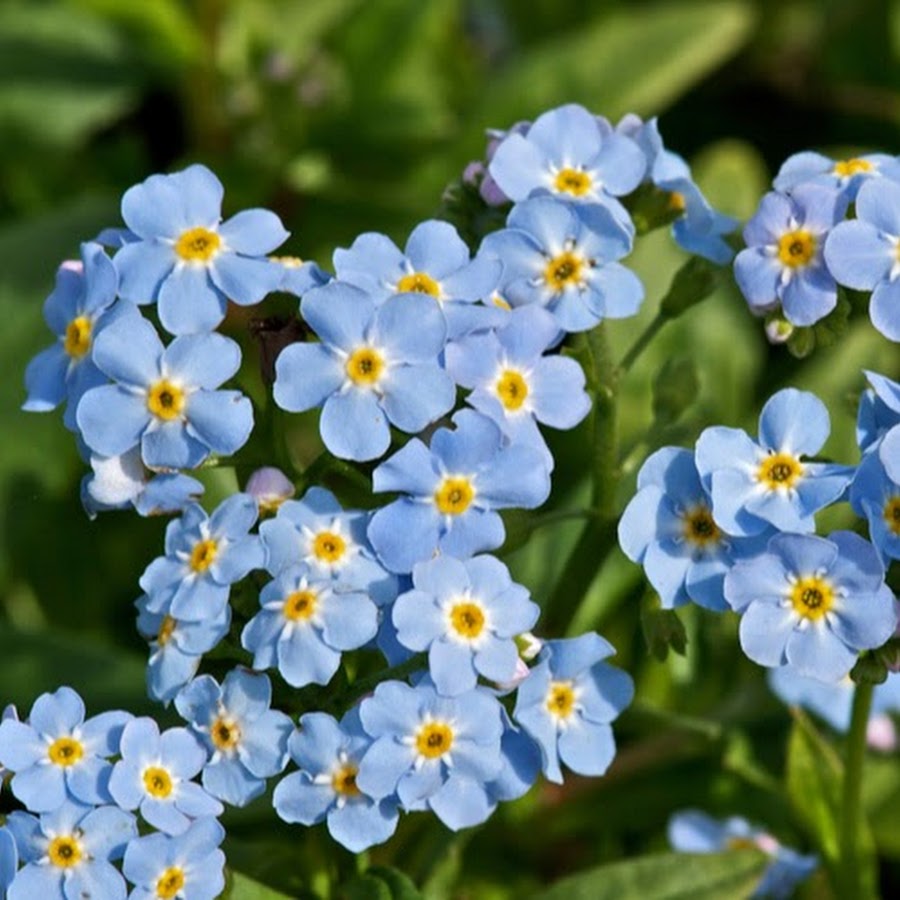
(81, 782)
(731, 526)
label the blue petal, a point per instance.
(297, 799)
(129, 350)
(188, 303)
(353, 425)
(253, 232)
(349, 621)
(382, 767)
(410, 470)
(558, 394)
(45, 379)
(857, 255)
(461, 803)
(112, 419)
(877, 203)
(765, 630)
(410, 328)
(794, 422)
(168, 445)
(435, 247)
(587, 748)
(415, 396)
(884, 309)
(518, 167)
(303, 658)
(810, 297)
(339, 314)
(450, 666)
(405, 532)
(757, 275)
(359, 825)
(142, 268)
(566, 135)
(243, 280)
(202, 360)
(222, 420)
(819, 653)
(305, 375)
(417, 618)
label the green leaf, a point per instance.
(401, 886)
(669, 876)
(364, 887)
(240, 887)
(634, 59)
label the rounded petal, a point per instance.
(188, 303)
(305, 375)
(765, 630)
(222, 420)
(353, 425)
(253, 232)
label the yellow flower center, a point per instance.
(812, 597)
(892, 514)
(677, 203)
(65, 751)
(467, 619)
(560, 700)
(328, 547)
(846, 168)
(157, 781)
(78, 337)
(225, 733)
(454, 495)
(796, 248)
(343, 781)
(198, 245)
(512, 389)
(203, 555)
(500, 302)
(779, 470)
(300, 605)
(64, 851)
(564, 270)
(418, 283)
(364, 366)
(434, 739)
(165, 400)
(699, 528)
(170, 883)
(166, 629)
(573, 181)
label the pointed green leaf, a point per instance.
(240, 887)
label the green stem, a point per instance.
(849, 875)
(642, 342)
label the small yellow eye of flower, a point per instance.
(741, 843)
(892, 515)
(573, 181)
(64, 851)
(467, 620)
(343, 781)
(203, 555)
(500, 302)
(328, 547)
(165, 400)
(846, 168)
(300, 605)
(812, 597)
(198, 245)
(170, 883)
(225, 733)
(418, 283)
(157, 781)
(78, 337)
(677, 203)
(65, 751)
(434, 739)
(364, 366)
(796, 248)
(166, 629)
(699, 528)
(779, 470)
(560, 700)
(564, 270)
(289, 262)
(512, 389)
(454, 495)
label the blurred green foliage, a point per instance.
(352, 115)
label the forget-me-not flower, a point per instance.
(844, 176)
(375, 366)
(876, 497)
(812, 603)
(328, 754)
(186, 259)
(755, 484)
(164, 399)
(9, 859)
(567, 702)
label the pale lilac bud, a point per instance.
(270, 487)
(881, 734)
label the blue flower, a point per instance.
(248, 741)
(879, 411)
(189, 865)
(514, 385)
(117, 482)
(186, 259)
(80, 306)
(176, 647)
(521, 763)
(67, 853)
(876, 498)
(844, 176)
(9, 859)
(783, 262)
(435, 263)
(568, 153)
(757, 484)
(328, 754)
(692, 831)
(567, 702)
(563, 258)
(451, 492)
(58, 756)
(298, 276)
(164, 399)
(863, 253)
(305, 623)
(434, 752)
(155, 772)
(204, 556)
(466, 614)
(668, 527)
(317, 531)
(375, 365)
(700, 228)
(812, 603)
